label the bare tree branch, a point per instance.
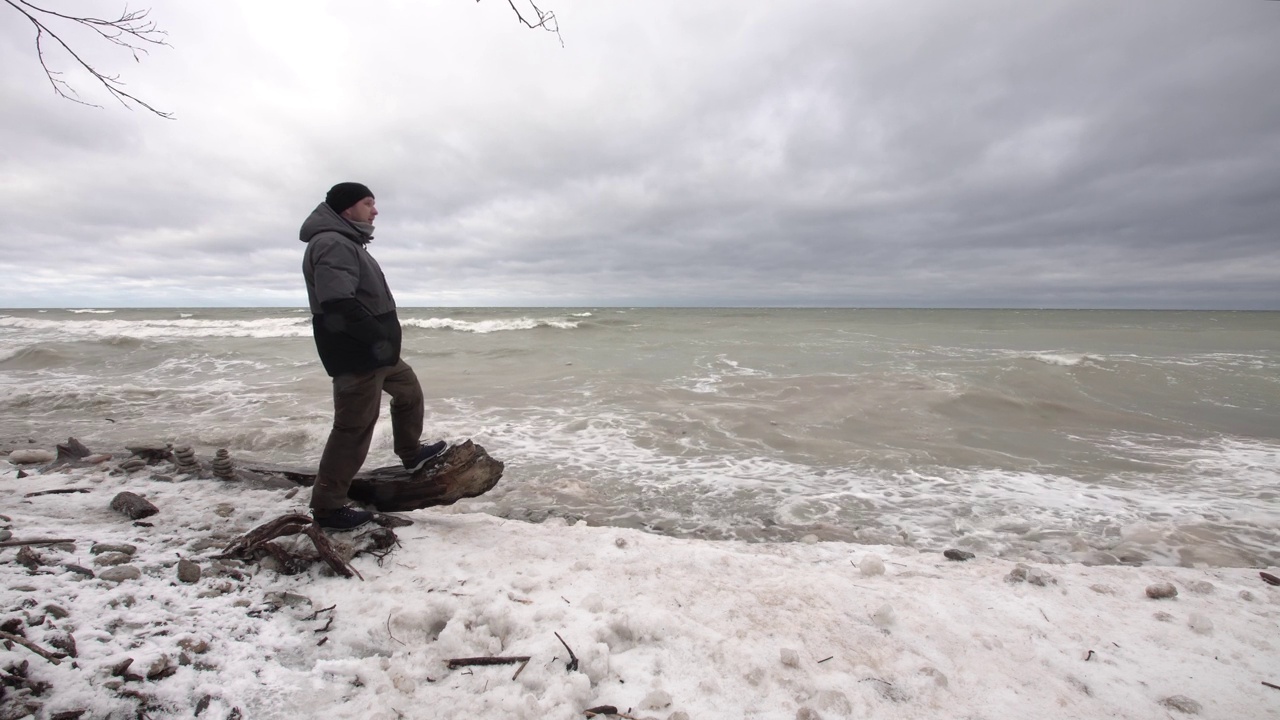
(546, 20)
(132, 31)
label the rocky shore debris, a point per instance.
(133, 505)
(1162, 591)
(31, 457)
(1030, 575)
(958, 555)
(151, 453)
(223, 468)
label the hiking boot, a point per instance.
(344, 518)
(426, 453)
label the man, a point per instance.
(358, 337)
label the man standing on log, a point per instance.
(353, 317)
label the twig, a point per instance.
(1089, 657)
(826, 659)
(20, 543)
(464, 662)
(573, 659)
(129, 31)
(1273, 687)
(523, 665)
(54, 658)
(323, 640)
(326, 626)
(316, 614)
(393, 637)
(58, 491)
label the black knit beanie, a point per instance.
(344, 195)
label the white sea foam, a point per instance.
(164, 328)
(90, 311)
(717, 372)
(1062, 359)
(489, 326)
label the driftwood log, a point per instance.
(462, 471)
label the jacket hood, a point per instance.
(324, 219)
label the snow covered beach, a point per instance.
(660, 626)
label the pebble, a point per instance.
(31, 457)
(1032, 575)
(656, 700)
(111, 558)
(188, 571)
(5, 535)
(1200, 587)
(1200, 624)
(197, 647)
(884, 617)
(1246, 596)
(807, 713)
(958, 555)
(82, 572)
(1163, 616)
(1103, 589)
(871, 565)
(224, 510)
(57, 611)
(789, 657)
(1182, 704)
(120, 573)
(1161, 591)
(125, 548)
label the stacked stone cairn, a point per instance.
(184, 458)
(222, 466)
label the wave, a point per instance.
(489, 326)
(1062, 359)
(163, 329)
(31, 358)
(80, 311)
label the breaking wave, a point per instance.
(490, 326)
(162, 328)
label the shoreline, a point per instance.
(660, 625)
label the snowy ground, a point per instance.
(661, 626)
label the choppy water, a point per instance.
(1096, 436)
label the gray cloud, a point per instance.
(1079, 154)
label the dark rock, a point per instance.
(1269, 579)
(72, 450)
(1162, 591)
(68, 715)
(133, 505)
(66, 642)
(196, 647)
(383, 538)
(1182, 704)
(958, 555)
(120, 573)
(29, 558)
(151, 452)
(57, 611)
(162, 668)
(188, 571)
(78, 570)
(100, 548)
(5, 535)
(109, 559)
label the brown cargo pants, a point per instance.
(357, 400)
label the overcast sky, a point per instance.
(1056, 153)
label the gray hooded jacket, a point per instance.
(353, 313)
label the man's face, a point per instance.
(364, 211)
